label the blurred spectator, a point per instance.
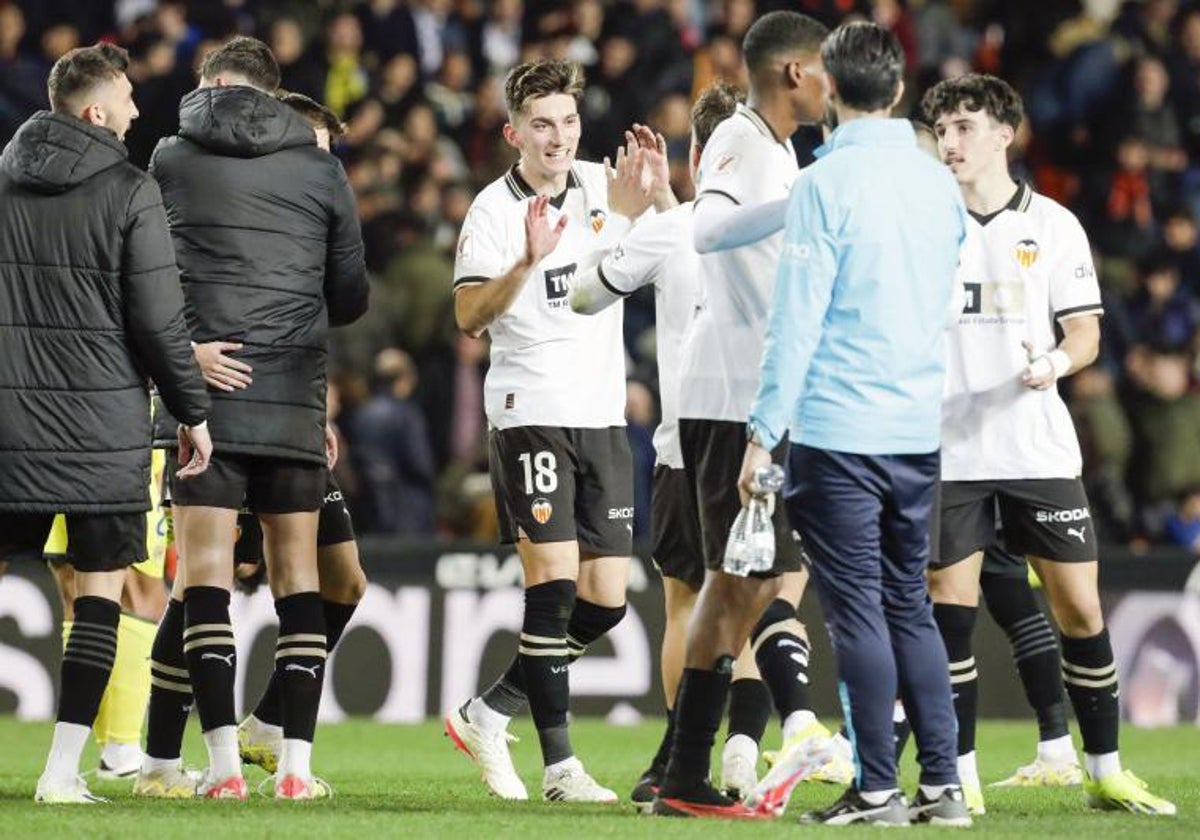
(450, 95)
(502, 36)
(1148, 115)
(22, 80)
(641, 416)
(1181, 243)
(1165, 410)
(388, 30)
(391, 451)
(1161, 313)
(1182, 526)
(1126, 220)
(345, 72)
(298, 71)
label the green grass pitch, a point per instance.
(407, 781)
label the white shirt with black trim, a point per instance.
(659, 251)
(1023, 269)
(549, 366)
(747, 164)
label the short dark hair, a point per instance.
(714, 105)
(77, 72)
(975, 92)
(244, 56)
(313, 111)
(866, 62)
(536, 79)
(780, 32)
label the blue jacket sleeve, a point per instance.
(803, 290)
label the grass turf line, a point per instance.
(408, 781)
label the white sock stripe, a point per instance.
(301, 637)
(542, 640)
(957, 679)
(528, 651)
(297, 652)
(1034, 632)
(207, 628)
(105, 647)
(95, 662)
(169, 670)
(1082, 683)
(572, 641)
(962, 665)
(90, 631)
(1090, 672)
(1039, 641)
(171, 685)
(106, 629)
(1028, 621)
(1022, 655)
(785, 626)
(213, 642)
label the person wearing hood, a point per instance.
(92, 307)
(270, 254)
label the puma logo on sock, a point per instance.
(227, 658)
(311, 671)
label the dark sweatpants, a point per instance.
(865, 522)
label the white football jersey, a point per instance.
(1023, 269)
(745, 162)
(549, 366)
(659, 251)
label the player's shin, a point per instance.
(86, 666)
(544, 661)
(300, 654)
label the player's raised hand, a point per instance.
(657, 175)
(626, 193)
(541, 237)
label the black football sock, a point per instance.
(1091, 677)
(587, 624)
(337, 616)
(782, 658)
(300, 654)
(698, 708)
(170, 687)
(1011, 602)
(211, 655)
(543, 656)
(749, 709)
(957, 625)
(88, 659)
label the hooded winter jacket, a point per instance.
(90, 306)
(270, 255)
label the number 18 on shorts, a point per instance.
(555, 484)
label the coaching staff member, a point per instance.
(853, 370)
(90, 306)
(270, 255)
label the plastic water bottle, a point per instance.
(751, 545)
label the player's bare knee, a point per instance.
(1079, 618)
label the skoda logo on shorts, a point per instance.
(542, 510)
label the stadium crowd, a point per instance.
(1113, 93)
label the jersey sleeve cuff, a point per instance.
(470, 280)
(717, 192)
(1078, 311)
(604, 281)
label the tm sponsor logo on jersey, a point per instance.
(1072, 515)
(558, 285)
(993, 303)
